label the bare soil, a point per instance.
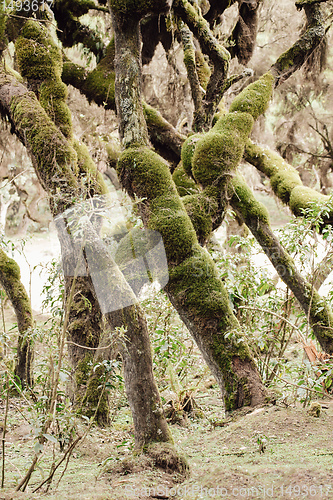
(271, 452)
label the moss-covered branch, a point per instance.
(212, 158)
(191, 68)
(218, 55)
(96, 85)
(10, 279)
(54, 159)
(255, 216)
(295, 56)
(72, 31)
(243, 38)
(285, 180)
(165, 138)
(194, 287)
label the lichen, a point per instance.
(254, 99)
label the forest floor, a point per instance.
(225, 461)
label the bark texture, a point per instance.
(10, 279)
(194, 287)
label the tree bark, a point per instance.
(26, 116)
(193, 287)
(10, 279)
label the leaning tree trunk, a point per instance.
(194, 287)
(10, 279)
(55, 162)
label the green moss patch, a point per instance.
(254, 99)
(188, 151)
(302, 197)
(185, 184)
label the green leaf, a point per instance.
(50, 438)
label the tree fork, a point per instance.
(194, 287)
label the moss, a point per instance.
(254, 99)
(88, 397)
(264, 159)
(188, 151)
(56, 160)
(8, 267)
(242, 122)
(218, 152)
(196, 283)
(244, 201)
(150, 173)
(201, 210)
(93, 179)
(185, 185)
(203, 69)
(215, 155)
(53, 94)
(284, 182)
(38, 57)
(301, 198)
(134, 244)
(169, 218)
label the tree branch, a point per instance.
(285, 181)
(255, 216)
(295, 56)
(218, 55)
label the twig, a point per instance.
(303, 341)
(68, 451)
(4, 433)
(89, 348)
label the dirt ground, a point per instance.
(272, 452)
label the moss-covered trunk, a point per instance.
(10, 279)
(55, 159)
(194, 287)
(121, 309)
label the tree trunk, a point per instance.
(45, 142)
(10, 279)
(193, 287)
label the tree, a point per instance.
(34, 103)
